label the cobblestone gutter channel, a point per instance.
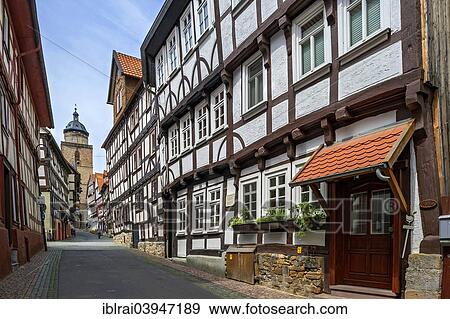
(35, 280)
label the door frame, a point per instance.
(336, 237)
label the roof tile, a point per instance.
(130, 65)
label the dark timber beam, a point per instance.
(343, 114)
(264, 47)
(328, 131)
(290, 147)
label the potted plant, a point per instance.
(242, 221)
(310, 217)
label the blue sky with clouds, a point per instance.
(89, 30)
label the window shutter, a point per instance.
(373, 16)
(306, 57)
(319, 48)
(356, 32)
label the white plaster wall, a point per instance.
(313, 98)
(417, 233)
(243, 239)
(227, 35)
(253, 130)
(237, 145)
(377, 68)
(181, 248)
(267, 8)
(187, 163)
(224, 5)
(213, 243)
(174, 85)
(276, 160)
(280, 115)
(175, 168)
(228, 230)
(309, 146)
(274, 238)
(249, 170)
(237, 92)
(246, 23)
(206, 51)
(203, 156)
(366, 125)
(188, 70)
(279, 65)
(198, 244)
(216, 149)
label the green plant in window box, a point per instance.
(309, 217)
(244, 218)
(273, 215)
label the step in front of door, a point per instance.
(357, 292)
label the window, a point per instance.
(214, 208)
(181, 215)
(5, 110)
(358, 220)
(199, 211)
(186, 132)
(160, 69)
(364, 19)
(186, 23)
(173, 61)
(218, 102)
(249, 191)
(203, 15)
(153, 141)
(381, 212)
(277, 191)
(202, 123)
(139, 204)
(154, 185)
(137, 158)
(312, 43)
(119, 100)
(173, 142)
(254, 79)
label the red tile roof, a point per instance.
(365, 152)
(130, 65)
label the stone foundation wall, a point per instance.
(124, 239)
(300, 275)
(424, 277)
(152, 248)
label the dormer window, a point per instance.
(203, 15)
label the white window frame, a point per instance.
(161, 72)
(195, 218)
(305, 17)
(186, 133)
(221, 105)
(344, 27)
(271, 172)
(214, 203)
(172, 52)
(253, 178)
(181, 211)
(245, 66)
(200, 16)
(199, 121)
(174, 146)
(183, 27)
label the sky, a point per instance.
(78, 38)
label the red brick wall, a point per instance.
(25, 240)
(5, 254)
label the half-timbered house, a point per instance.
(132, 156)
(266, 104)
(24, 108)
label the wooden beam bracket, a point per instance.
(343, 114)
(290, 147)
(328, 131)
(330, 11)
(261, 155)
(298, 134)
(227, 80)
(285, 24)
(264, 47)
(395, 187)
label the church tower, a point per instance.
(79, 153)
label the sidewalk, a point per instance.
(37, 279)
(251, 291)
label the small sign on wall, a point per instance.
(230, 200)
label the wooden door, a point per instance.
(367, 239)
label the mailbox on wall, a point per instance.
(444, 228)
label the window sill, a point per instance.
(364, 46)
(202, 142)
(311, 77)
(173, 73)
(190, 53)
(219, 130)
(181, 234)
(255, 111)
(204, 35)
(197, 232)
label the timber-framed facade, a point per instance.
(248, 90)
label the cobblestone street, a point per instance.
(90, 268)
